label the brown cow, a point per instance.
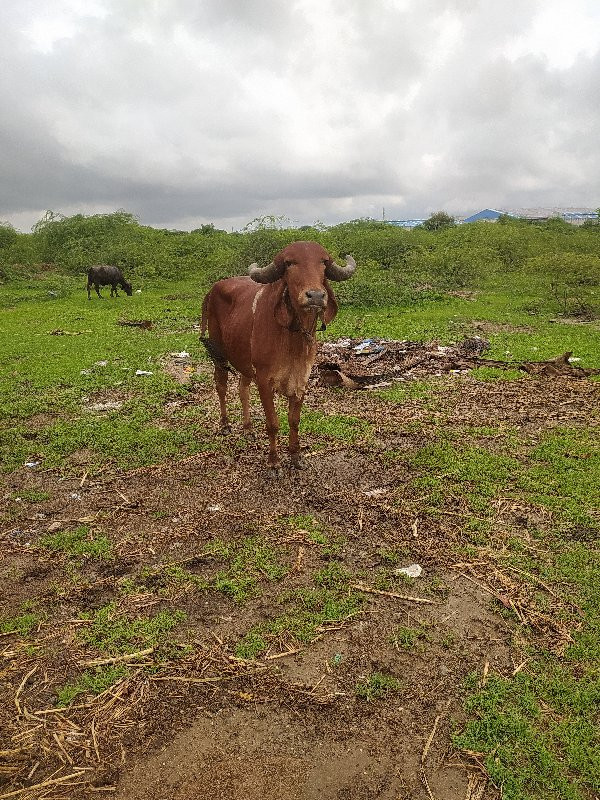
(265, 325)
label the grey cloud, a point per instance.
(181, 111)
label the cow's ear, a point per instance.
(283, 311)
(332, 306)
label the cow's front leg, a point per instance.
(267, 399)
(294, 408)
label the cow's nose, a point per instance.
(315, 296)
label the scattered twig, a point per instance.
(49, 782)
(369, 590)
(520, 666)
(475, 787)
(283, 655)
(433, 732)
(99, 662)
(21, 687)
(425, 783)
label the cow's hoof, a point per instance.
(275, 472)
(225, 430)
(298, 462)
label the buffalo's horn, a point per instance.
(267, 274)
(336, 273)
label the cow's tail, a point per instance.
(204, 323)
(216, 355)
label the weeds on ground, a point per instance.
(332, 426)
(22, 625)
(307, 610)
(114, 633)
(31, 495)
(563, 474)
(78, 542)
(407, 638)
(540, 730)
(377, 686)
(250, 561)
(330, 544)
(90, 682)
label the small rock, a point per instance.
(54, 526)
(413, 570)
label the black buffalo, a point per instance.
(102, 275)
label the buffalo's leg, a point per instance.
(268, 403)
(97, 288)
(221, 384)
(244, 389)
(89, 286)
(294, 408)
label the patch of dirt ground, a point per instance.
(291, 722)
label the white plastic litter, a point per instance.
(32, 464)
(100, 363)
(143, 372)
(138, 291)
(183, 354)
(413, 570)
(374, 492)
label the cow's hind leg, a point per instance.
(268, 403)
(221, 384)
(244, 388)
(97, 288)
(294, 408)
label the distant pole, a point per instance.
(383, 213)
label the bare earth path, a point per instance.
(207, 723)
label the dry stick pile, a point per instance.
(377, 362)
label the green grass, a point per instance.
(78, 542)
(563, 474)
(22, 625)
(31, 495)
(90, 682)
(377, 686)
(400, 393)
(406, 638)
(331, 426)
(306, 611)
(114, 633)
(49, 379)
(539, 731)
(250, 561)
(329, 543)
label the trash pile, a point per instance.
(375, 363)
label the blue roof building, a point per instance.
(487, 215)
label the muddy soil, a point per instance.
(289, 723)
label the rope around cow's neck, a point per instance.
(296, 326)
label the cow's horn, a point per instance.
(336, 273)
(267, 274)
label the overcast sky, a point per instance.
(192, 111)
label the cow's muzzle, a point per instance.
(315, 299)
